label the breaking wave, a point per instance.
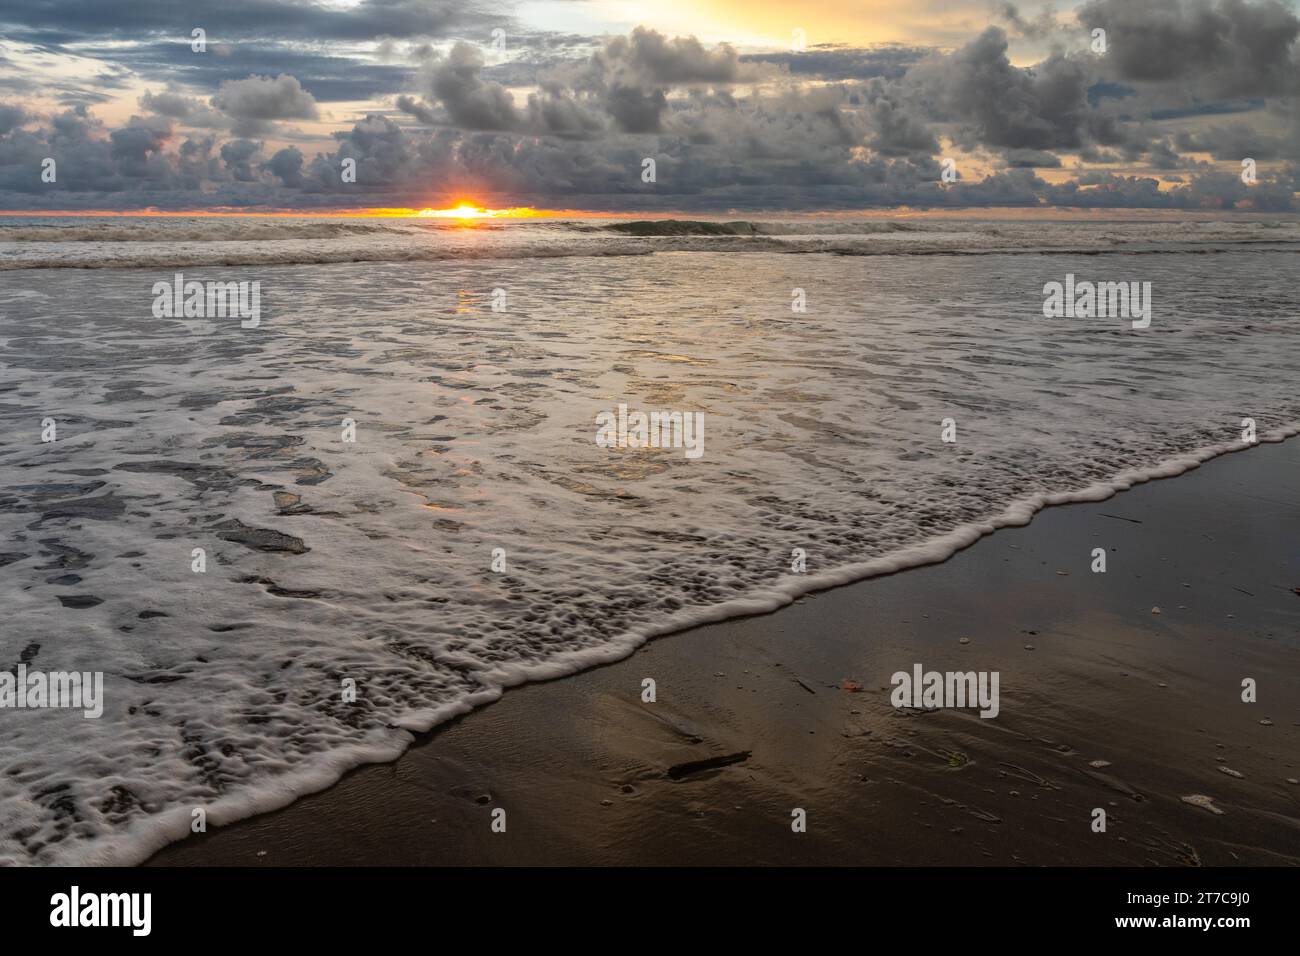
(169, 244)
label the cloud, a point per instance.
(462, 98)
(1236, 141)
(186, 110)
(67, 21)
(636, 110)
(331, 76)
(11, 117)
(993, 103)
(1041, 26)
(238, 156)
(255, 102)
(1223, 48)
(623, 86)
(139, 143)
(566, 120)
(896, 129)
(470, 101)
(287, 165)
(648, 57)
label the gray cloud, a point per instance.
(1041, 26)
(238, 156)
(1223, 48)
(54, 22)
(255, 102)
(993, 103)
(567, 120)
(647, 56)
(287, 165)
(184, 109)
(471, 102)
(1236, 141)
(11, 117)
(327, 76)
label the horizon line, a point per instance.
(527, 212)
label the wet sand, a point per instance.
(1088, 673)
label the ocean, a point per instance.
(288, 546)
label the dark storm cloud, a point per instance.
(1227, 48)
(636, 110)
(1162, 155)
(132, 147)
(238, 156)
(471, 102)
(89, 158)
(421, 111)
(896, 129)
(287, 165)
(994, 103)
(1031, 159)
(1236, 141)
(1219, 108)
(397, 167)
(145, 160)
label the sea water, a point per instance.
(290, 546)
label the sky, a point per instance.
(743, 105)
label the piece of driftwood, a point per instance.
(678, 771)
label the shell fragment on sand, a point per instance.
(1204, 802)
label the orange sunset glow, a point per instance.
(468, 210)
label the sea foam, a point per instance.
(371, 561)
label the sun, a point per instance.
(465, 211)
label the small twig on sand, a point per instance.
(1119, 517)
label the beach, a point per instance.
(1090, 672)
(582, 436)
(284, 537)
